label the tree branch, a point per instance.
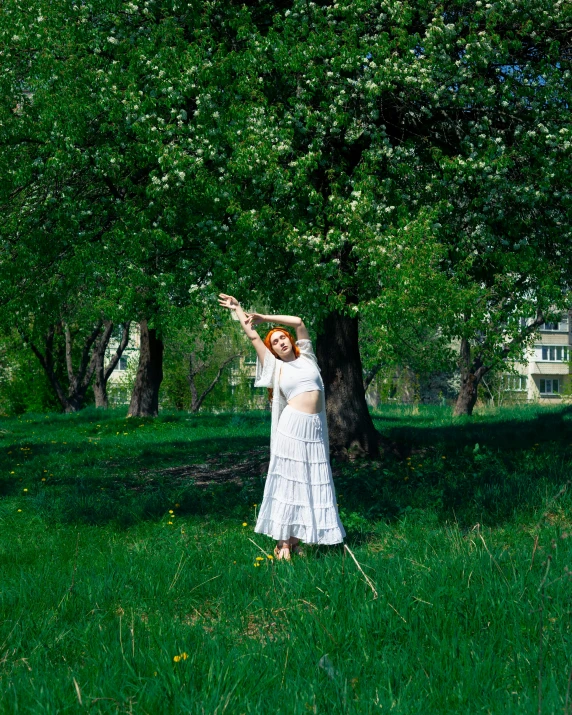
(371, 375)
(196, 403)
(119, 352)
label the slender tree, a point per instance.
(102, 371)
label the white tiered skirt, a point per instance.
(299, 496)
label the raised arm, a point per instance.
(291, 321)
(227, 301)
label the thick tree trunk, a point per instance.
(467, 397)
(100, 390)
(472, 372)
(145, 396)
(349, 422)
(103, 372)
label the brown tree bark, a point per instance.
(145, 395)
(102, 372)
(195, 368)
(473, 367)
(472, 371)
(351, 428)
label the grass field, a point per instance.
(132, 581)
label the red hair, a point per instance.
(268, 342)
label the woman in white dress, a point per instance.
(299, 501)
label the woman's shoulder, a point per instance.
(306, 350)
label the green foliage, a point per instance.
(118, 563)
(204, 351)
(408, 163)
(24, 386)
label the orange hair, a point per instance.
(267, 341)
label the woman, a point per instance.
(299, 498)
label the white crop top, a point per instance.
(304, 375)
(300, 375)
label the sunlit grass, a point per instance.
(128, 588)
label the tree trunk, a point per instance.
(100, 389)
(467, 397)
(349, 422)
(472, 371)
(145, 396)
(103, 372)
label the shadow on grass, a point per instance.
(508, 429)
(490, 470)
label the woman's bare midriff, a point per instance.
(309, 402)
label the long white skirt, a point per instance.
(299, 496)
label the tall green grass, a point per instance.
(127, 587)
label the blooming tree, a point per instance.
(383, 159)
(406, 155)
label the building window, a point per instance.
(122, 364)
(514, 383)
(549, 387)
(556, 353)
(560, 326)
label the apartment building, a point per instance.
(543, 376)
(547, 371)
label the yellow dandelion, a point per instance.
(171, 511)
(43, 479)
(169, 522)
(19, 510)
(177, 506)
(443, 457)
(255, 505)
(244, 523)
(45, 470)
(268, 556)
(259, 558)
(257, 563)
(25, 490)
(177, 658)
(12, 472)
(184, 656)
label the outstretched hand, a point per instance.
(227, 301)
(253, 319)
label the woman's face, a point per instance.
(281, 345)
